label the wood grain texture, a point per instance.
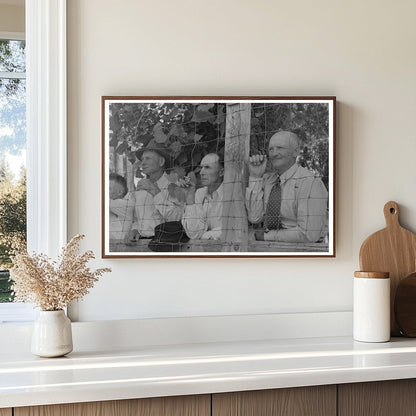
(382, 398)
(5, 412)
(372, 275)
(405, 305)
(160, 406)
(237, 147)
(300, 401)
(392, 250)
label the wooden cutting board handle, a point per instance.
(391, 214)
(393, 250)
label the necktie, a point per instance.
(272, 219)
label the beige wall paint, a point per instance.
(12, 18)
(363, 52)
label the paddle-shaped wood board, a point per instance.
(405, 305)
(392, 250)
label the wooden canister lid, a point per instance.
(372, 275)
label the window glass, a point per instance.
(12, 156)
(12, 56)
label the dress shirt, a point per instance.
(203, 220)
(304, 214)
(151, 211)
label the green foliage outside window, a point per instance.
(12, 223)
(5, 292)
(12, 143)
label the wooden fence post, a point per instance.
(121, 165)
(237, 145)
(130, 173)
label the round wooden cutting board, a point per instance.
(392, 250)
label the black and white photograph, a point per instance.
(218, 176)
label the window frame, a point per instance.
(46, 122)
(46, 125)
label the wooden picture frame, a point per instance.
(196, 176)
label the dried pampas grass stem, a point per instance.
(53, 285)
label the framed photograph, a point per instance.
(218, 177)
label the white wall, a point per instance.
(363, 52)
(12, 17)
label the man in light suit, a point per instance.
(290, 201)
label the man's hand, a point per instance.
(148, 186)
(176, 192)
(188, 185)
(259, 235)
(257, 165)
(132, 237)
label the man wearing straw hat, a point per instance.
(153, 204)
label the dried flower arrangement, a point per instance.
(53, 285)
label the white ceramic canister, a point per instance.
(371, 310)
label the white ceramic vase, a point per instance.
(52, 334)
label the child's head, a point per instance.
(118, 186)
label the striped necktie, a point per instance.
(272, 219)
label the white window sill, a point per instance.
(16, 313)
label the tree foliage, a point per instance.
(12, 213)
(308, 120)
(5, 287)
(12, 141)
(190, 131)
(12, 98)
(12, 56)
